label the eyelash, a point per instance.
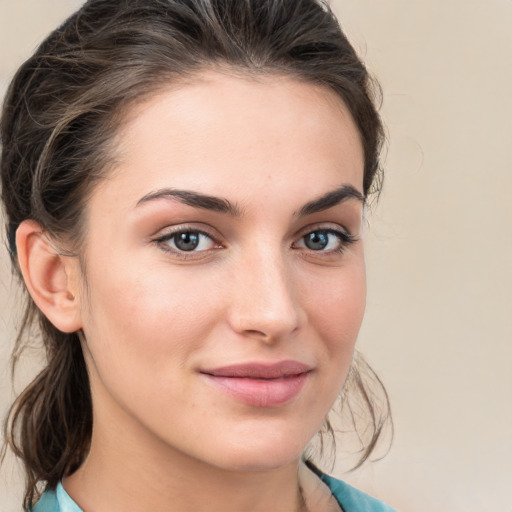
(344, 241)
(163, 242)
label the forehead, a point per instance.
(218, 130)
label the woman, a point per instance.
(184, 183)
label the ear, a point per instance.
(51, 278)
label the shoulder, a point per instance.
(353, 500)
(350, 498)
(47, 503)
(56, 501)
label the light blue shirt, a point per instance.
(56, 501)
(350, 499)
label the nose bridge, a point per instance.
(265, 301)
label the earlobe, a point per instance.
(49, 276)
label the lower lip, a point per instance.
(261, 392)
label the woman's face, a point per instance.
(225, 279)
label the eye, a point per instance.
(186, 240)
(325, 240)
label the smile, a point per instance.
(260, 385)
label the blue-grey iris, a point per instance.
(317, 240)
(186, 241)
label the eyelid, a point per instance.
(201, 228)
(325, 226)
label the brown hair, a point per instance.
(60, 114)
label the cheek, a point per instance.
(148, 321)
(336, 309)
(143, 334)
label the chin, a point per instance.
(260, 453)
(248, 463)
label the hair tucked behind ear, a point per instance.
(59, 121)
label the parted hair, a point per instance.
(60, 116)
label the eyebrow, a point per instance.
(331, 199)
(195, 199)
(221, 205)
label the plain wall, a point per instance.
(438, 327)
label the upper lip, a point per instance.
(256, 370)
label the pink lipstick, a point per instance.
(260, 384)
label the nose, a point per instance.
(265, 302)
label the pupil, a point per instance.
(187, 241)
(317, 241)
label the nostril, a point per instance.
(257, 333)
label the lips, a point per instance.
(260, 384)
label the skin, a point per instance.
(153, 317)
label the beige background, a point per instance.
(439, 320)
